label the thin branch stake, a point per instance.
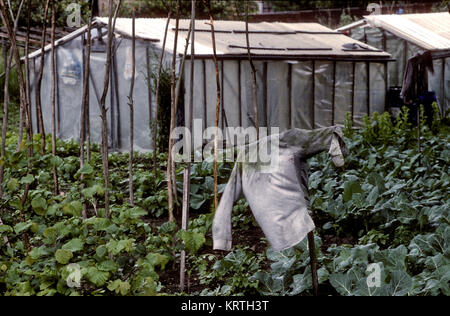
(40, 117)
(158, 84)
(216, 195)
(53, 99)
(85, 103)
(170, 172)
(104, 138)
(187, 170)
(255, 86)
(131, 104)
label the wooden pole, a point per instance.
(84, 133)
(177, 98)
(40, 117)
(131, 104)
(313, 261)
(418, 129)
(53, 99)
(104, 138)
(216, 195)
(187, 170)
(27, 77)
(158, 84)
(170, 172)
(255, 86)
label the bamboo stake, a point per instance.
(104, 138)
(39, 80)
(187, 170)
(170, 171)
(53, 99)
(216, 195)
(85, 104)
(255, 86)
(158, 84)
(131, 104)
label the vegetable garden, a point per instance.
(389, 206)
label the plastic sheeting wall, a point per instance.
(69, 71)
(401, 50)
(291, 94)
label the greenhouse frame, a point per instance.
(406, 35)
(308, 76)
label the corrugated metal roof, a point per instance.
(429, 30)
(266, 39)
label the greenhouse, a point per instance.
(308, 76)
(404, 36)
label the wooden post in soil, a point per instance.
(40, 117)
(131, 104)
(187, 170)
(313, 262)
(216, 64)
(170, 172)
(158, 84)
(53, 100)
(85, 103)
(255, 87)
(104, 137)
(177, 98)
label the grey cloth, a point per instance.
(279, 199)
